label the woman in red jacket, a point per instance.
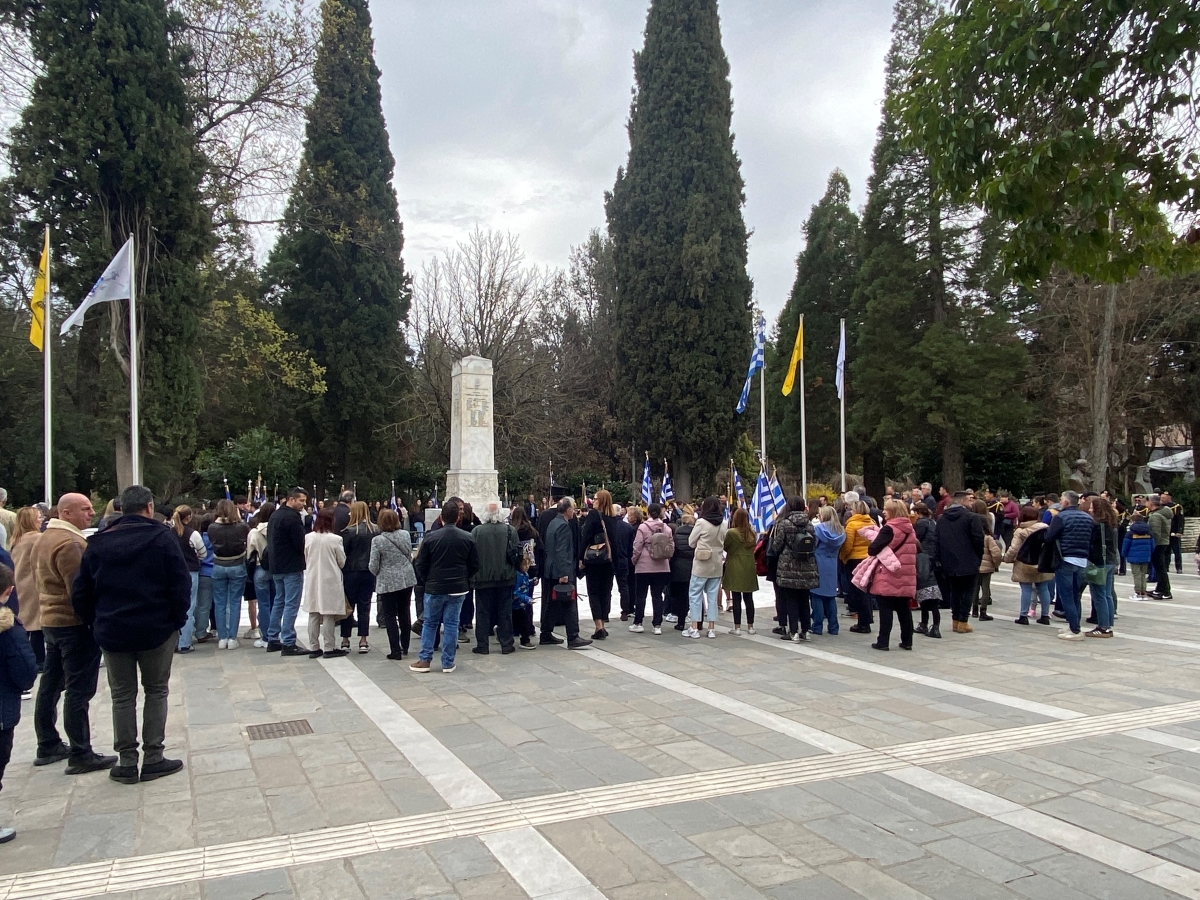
(894, 591)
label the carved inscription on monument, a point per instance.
(478, 401)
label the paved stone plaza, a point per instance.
(1001, 764)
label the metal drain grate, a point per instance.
(279, 730)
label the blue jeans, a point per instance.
(204, 605)
(1068, 585)
(188, 631)
(229, 582)
(700, 589)
(264, 592)
(1043, 593)
(824, 608)
(1102, 599)
(285, 607)
(443, 610)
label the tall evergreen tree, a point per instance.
(679, 246)
(336, 271)
(106, 149)
(825, 276)
(937, 356)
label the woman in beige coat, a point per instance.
(324, 596)
(992, 557)
(24, 536)
(1027, 576)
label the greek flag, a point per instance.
(777, 498)
(395, 506)
(757, 359)
(647, 486)
(840, 375)
(225, 481)
(764, 502)
(737, 486)
(666, 492)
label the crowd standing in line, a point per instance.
(141, 587)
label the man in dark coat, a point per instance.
(622, 542)
(446, 563)
(960, 535)
(133, 590)
(499, 552)
(285, 550)
(562, 568)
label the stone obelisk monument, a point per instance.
(472, 475)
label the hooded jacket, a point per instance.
(960, 541)
(796, 571)
(1023, 573)
(18, 668)
(898, 534)
(643, 562)
(855, 547)
(828, 545)
(133, 587)
(1138, 546)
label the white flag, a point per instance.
(113, 285)
(841, 363)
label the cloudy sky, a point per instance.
(510, 115)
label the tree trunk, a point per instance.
(1101, 394)
(1195, 425)
(952, 461)
(873, 477)
(681, 479)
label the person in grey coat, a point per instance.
(562, 569)
(391, 564)
(499, 553)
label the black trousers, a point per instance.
(1177, 551)
(859, 601)
(900, 606)
(37, 642)
(797, 609)
(599, 580)
(738, 599)
(394, 607)
(494, 609)
(522, 622)
(1162, 566)
(358, 586)
(555, 611)
(623, 591)
(467, 616)
(677, 603)
(962, 595)
(6, 741)
(655, 583)
(931, 606)
(72, 668)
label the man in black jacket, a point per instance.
(341, 512)
(447, 561)
(133, 590)
(562, 568)
(285, 552)
(959, 552)
(499, 552)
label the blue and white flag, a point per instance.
(841, 363)
(777, 498)
(225, 481)
(647, 485)
(666, 492)
(394, 505)
(766, 506)
(757, 360)
(737, 486)
(113, 285)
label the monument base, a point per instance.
(476, 486)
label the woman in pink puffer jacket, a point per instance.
(894, 591)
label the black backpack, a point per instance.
(803, 545)
(1031, 549)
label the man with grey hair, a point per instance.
(562, 563)
(499, 553)
(8, 520)
(1072, 530)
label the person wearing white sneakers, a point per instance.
(653, 547)
(741, 578)
(228, 537)
(707, 540)
(256, 553)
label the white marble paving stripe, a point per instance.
(534, 863)
(1132, 861)
(965, 690)
(1166, 739)
(781, 724)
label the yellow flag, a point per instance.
(37, 303)
(797, 355)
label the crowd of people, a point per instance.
(135, 585)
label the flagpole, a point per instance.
(134, 443)
(762, 402)
(842, 398)
(48, 425)
(803, 425)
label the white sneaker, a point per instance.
(712, 632)
(260, 643)
(636, 629)
(657, 630)
(222, 644)
(735, 630)
(796, 638)
(750, 629)
(690, 633)
(1069, 635)
(670, 617)
(231, 644)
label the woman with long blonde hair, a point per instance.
(26, 532)
(356, 574)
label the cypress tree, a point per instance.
(825, 276)
(336, 272)
(683, 315)
(106, 149)
(937, 356)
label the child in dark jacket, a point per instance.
(522, 605)
(1137, 549)
(18, 669)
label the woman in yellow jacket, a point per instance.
(852, 553)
